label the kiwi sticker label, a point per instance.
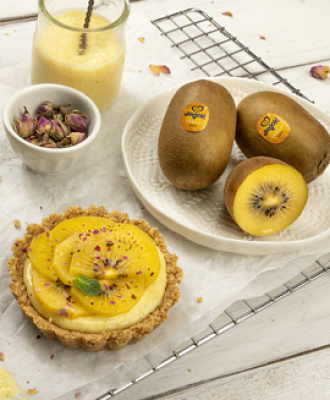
(195, 117)
(273, 128)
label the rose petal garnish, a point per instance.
(157, 69)
(141, 39)
(46, 284)
(138, 272)
(227, 13)
(112, 303)
(319, 71)
(63, 312)
(106, 287)
(97, 248)
(96, 231)
(32, 392)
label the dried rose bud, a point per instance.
(58, 133)
(77, 137)
(45, 138)
(64, 143)
(46, 109)
(63, 110)
(320, 71)
(50, 146)
(65, 128)
(45, 125)
(34, 141)
(59, 116)
(25, 126)
(76, 122)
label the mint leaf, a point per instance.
(89, 286)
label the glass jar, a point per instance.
(88, 59)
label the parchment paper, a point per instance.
(219, 278)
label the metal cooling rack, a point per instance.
(232, 316)
(210, 48)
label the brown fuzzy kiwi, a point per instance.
(194, 160)
(307, 146)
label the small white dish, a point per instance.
(47, 161)
(201, 216)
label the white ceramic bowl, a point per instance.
(41, 160)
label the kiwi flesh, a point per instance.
(307, 145)
(265, 195)
(194, 160)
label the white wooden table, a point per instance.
(284, 351)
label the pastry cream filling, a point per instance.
(150, 300)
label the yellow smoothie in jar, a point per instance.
(97, 72)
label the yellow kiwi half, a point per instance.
(265, 195)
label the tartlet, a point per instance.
(113, 339)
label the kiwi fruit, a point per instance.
(274, 125)
(197, 135)
(264, 195)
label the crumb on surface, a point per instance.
(17, 224)
(2, 357)
(199, 299)
(32, 392)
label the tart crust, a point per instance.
(110, 340)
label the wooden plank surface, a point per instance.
(285, 333)
(283, 352)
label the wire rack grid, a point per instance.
(210, 48)
(232, 316)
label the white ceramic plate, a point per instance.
(201, 216)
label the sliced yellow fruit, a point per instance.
(55, 297)
(117, 296)
(139, 241)
(41, 255)
(71, 226)
(108, 259)
(270, 199)
(63, 255)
